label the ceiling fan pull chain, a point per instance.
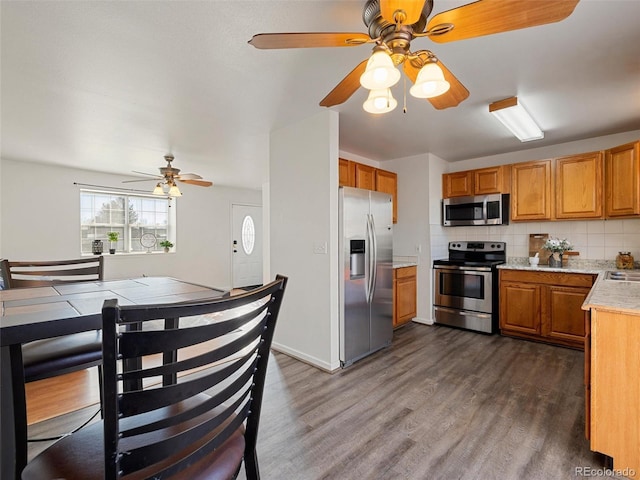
(404, 95)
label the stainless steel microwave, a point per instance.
(477, 210)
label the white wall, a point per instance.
(411, 233)
(303, 185)
(39, 206)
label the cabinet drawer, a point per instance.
(405, 272)
(549, 278)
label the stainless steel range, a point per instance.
(466, 286)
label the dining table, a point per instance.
(34, 313)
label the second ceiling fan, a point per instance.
(393, 24)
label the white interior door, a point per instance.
(246, 245)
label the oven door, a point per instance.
(464, 288)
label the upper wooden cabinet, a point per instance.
(387, 182)
(531, 191)
(492, 180)
(622, 177)
(482, 181)
(365, 176)
(457, 184)
(354, 174)
(579, 185)
(346, 173)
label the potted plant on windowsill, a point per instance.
(167, 245)
(113, 241)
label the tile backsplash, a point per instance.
(594, 239)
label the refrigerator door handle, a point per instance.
(374, 256)
(370, 247)
(367, 268)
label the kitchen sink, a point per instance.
(633, 276)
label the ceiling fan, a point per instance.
(167, 179)
(393, 24)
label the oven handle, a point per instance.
(461, 267)
(462, 312)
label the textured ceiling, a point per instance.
(113, 86)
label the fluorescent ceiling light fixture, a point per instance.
(514, 116)
(430, 82)
(380, 101)
(380, 72)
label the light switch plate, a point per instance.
(320, 248)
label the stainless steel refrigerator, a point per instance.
(366, 266)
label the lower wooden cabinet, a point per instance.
(544, 306)
(612, 387)
(405, 283)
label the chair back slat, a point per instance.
(222, 352)
(145, 400)
(155, 341)
(55, 272)
(155, 428)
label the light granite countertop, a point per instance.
(574, 266)
(614, 296)
(546, 268)
(401, 261)
(404, 264)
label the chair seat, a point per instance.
(43, 358)
(85, 448)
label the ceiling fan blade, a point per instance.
(143, 180)
(188, 176)
(411, 8)
(346, 87)
(200, 183)
(154, 175)
(308, 40)
(486, 17)
(456, 94)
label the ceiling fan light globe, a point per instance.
(380, 72)
(380, 101)
(430, 82)
(174, 191)
(158, 190)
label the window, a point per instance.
(130, 215)
(248, 235)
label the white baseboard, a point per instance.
(303, 357)
(424, 321)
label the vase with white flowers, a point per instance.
(557, 248)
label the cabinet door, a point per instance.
(458, 184)
(579, 186)
(387, 182)
(405, 284)
(520, 307)
(531, 190)
(346, 173)
(563, 318)
(489, 180)
(365, 176)
(622, 165)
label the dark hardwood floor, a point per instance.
(440, 403)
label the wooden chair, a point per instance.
(182, 401)
(53, 356)
(46, 273)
